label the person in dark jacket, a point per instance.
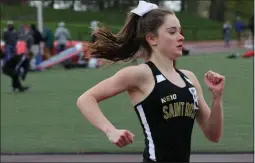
(10, 37)
(16, 68)
(2, 54)
(37, 40)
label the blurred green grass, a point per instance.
(46, 118)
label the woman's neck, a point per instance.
(162, 62)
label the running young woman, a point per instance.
(167, 100)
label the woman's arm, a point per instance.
(124, 80)
(210, 120)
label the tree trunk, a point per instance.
(52, 3)
(183, 5)
(116, 4)
(100, 4)
(213, 9)
(217, 10)
(222, 9)
(72, 5)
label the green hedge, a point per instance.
(195, 28)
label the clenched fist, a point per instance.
(215, 82)
(120, 138)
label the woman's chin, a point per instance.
(177, 55)
(174, 56)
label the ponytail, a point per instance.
(122, 46)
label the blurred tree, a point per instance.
(72, 5)
(52, 3)
(183, 5)
(191, 5)
(101, 4)
(127, 4)
(116, 4)
(11, 2)
(155, 1)
(217, 10)
(203, 8)
(134, 2)
(242, 8)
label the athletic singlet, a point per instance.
(167, 117)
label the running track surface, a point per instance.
(195, 48)
(122, 158)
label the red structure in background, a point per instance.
(21, 48)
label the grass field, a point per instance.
(46, 118)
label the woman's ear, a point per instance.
(151, 39)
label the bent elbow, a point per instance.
(80, 101)
(84, 99)
(214, 138)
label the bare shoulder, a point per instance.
(193, 79)
(134, 73)
(130, 78)
(135, 69)
(189, 74)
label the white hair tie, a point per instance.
(143, 8)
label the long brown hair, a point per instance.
(125, 44)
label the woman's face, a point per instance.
(169, 40)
